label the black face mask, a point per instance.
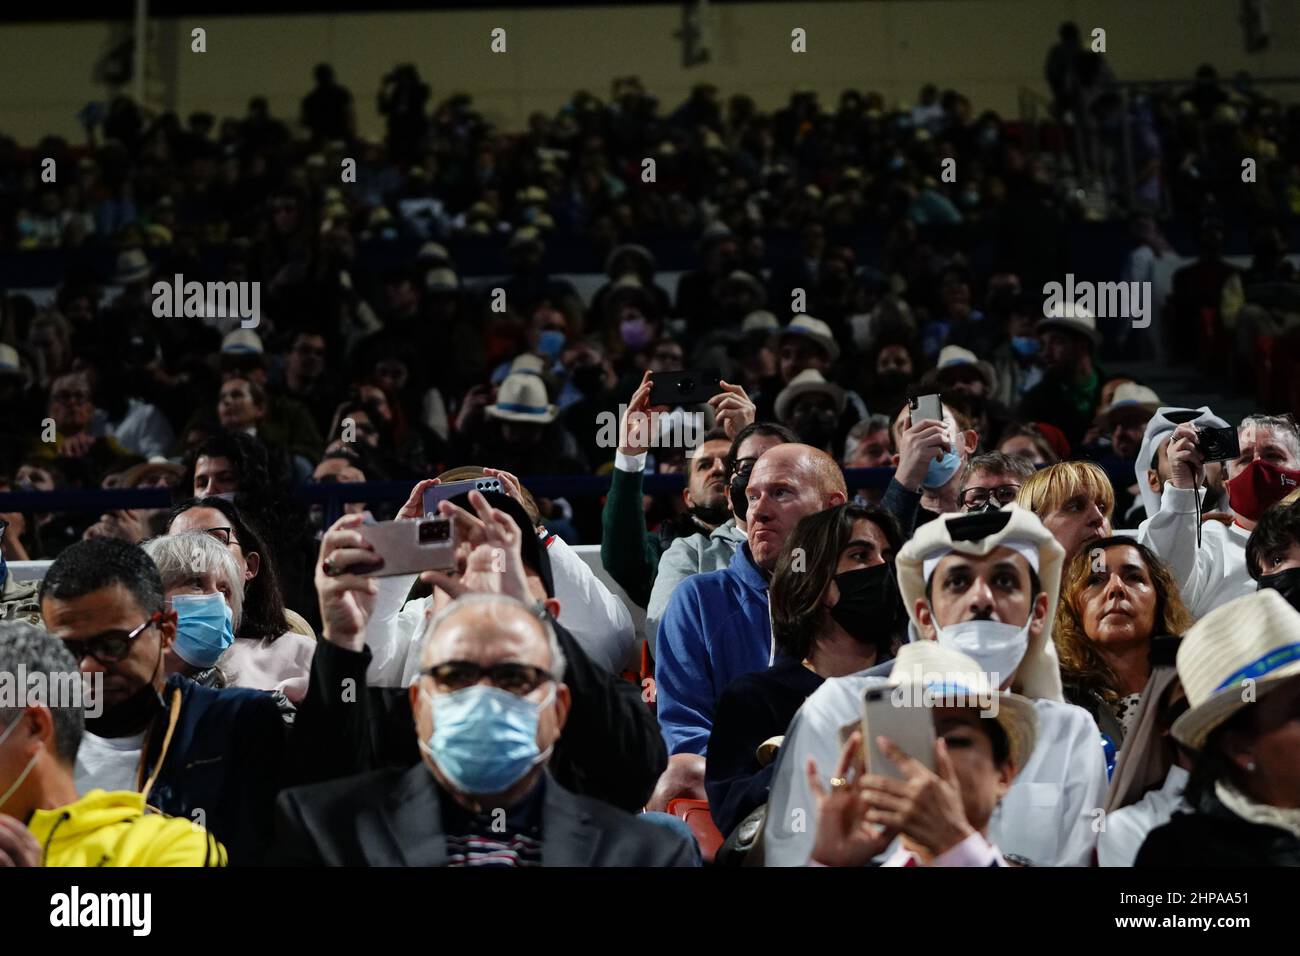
(130, 716)
(817, 429)
(739, 503)
(870, 607)
(895, 381)
(1285, 583)
(713, 516)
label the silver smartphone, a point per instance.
(910, 728)
(926, 407)
(411, 545)
(439, 493)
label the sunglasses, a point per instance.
(109, 647)
(518, 679)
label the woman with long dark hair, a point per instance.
(835, 611)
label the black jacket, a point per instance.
(752, 708)
(394, 818)
(1215, 836)
(611, 748)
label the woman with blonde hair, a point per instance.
(1073, 499)
(1115, 598)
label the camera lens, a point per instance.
(686, 385)
(433, 531)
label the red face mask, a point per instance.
(1259, 485)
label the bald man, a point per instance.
(716, 626)
(489, 704)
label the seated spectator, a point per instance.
(1273, 550)
(629, 551)
(1209, 559)
(835, 611)
(104, 599)
(71, 411)
(1119, 430)
(343, 466)
(44, 820)
(867, 445)
(811, 407)
(484, 751)
(362, 424)
(985, 585)
(273, 645)
(1239, 667)
(1116, 597)
(992, 481)
(928, 465)
(701, 553)
(1074, 500)
(717, 625)
(1026, 441)
(521, 433)
(1070, 390)
(1152, 468)
(613, 750)
(134, 525)
(939, 817)
(201, 583)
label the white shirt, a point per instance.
(597, 620)
(1046, 817)
(108, 763)
(1128, 827)
(1213, 574)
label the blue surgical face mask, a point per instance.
(1026, 346)
(550, 343)
(204, 628)
(941, 470)
(484, 739)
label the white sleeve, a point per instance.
(1126, 828)
(392, 629)
(598, 620)
(1085, 789)
(1171, 533)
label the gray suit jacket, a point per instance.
(394, 818)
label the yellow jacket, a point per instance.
(114, 829)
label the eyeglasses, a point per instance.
(518, 679)
(743, 467)
(70, 398)
(109, 647)
(225, 535)
(979, 497)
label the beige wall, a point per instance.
(986, 48)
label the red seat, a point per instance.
(695, 813)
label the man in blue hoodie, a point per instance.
(717, 626)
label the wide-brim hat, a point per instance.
(10, 361)
(740, 279)
(808, 382)
(816, 330)
(156, 465)
(941, 672)
(953, 357)
(132, 266)
(1231, 657)
(627, 288)
(522, 398)
(629, 249)
(1130, 395)
(1070, 317)
(1039, 673)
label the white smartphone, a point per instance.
(926, 407)
(910, 728)
(411, 545)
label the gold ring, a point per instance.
(838, 782)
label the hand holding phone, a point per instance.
(910, 728)
(684, 386)
(410, 546)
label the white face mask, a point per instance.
(998, 648)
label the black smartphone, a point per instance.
(1218, 444)
(684, 386)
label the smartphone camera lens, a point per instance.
(431, 532)
(686, 385)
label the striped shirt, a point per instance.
(501, 837)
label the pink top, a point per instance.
(282, 664)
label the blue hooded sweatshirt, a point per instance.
(716, 628)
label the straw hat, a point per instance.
(953, 357)
(1071, 317)
(1131, 395)
(808, 382)
(1039, 673)
(522, 398)
(814, 329)
(928, 666)
(1250, 644)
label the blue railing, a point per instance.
(335, 495)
